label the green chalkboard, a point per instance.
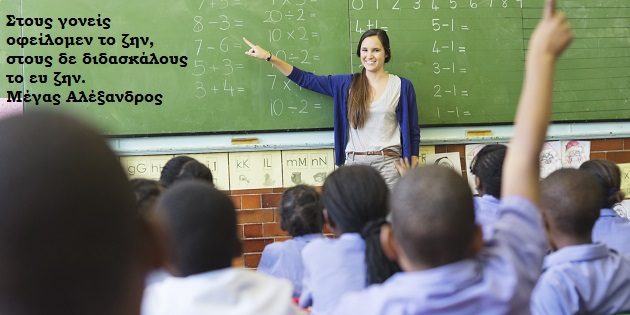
(219, 90)
(464, 57)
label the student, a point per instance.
(579, 277)
(172, 168)
(610, 228)
(202, 223)
(194, 170)
(184, 167)
(487, 166)
(433, 235)
(71, 241)
(355, 201)
(375, 113)
(147, 192)
(301, 216)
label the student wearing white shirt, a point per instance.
(202, 223)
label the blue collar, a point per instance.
(576, 253)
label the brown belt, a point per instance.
(382, 152)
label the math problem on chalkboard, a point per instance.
(190, 74)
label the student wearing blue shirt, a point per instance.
(447, 267)
(610, 229)
(301, 216)
(375, 113)
(579, 276)
(487, 166)
(355, 201)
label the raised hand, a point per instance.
(553, 33)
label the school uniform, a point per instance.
(284, 260)
(486, 213)
(583, 279)
(229, 291)
(612, 230)
(498, 280)
(332, 267)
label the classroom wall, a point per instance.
(258, 217)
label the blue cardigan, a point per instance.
(338, 87)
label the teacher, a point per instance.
(375, 113)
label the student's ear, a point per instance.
(388, 242)
(328, 220)
(478, 185)
(330, 223)
(548, 230)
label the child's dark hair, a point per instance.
(172, 168)
(147, 192)
(356, 200)
(609, 176)
(202, 221)
(572, 199)
(488, 167)
(433, 217)
(301, 211)
(194, 170)
(72, 242)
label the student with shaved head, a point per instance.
(71, 240)
(579, 277)
(433, 236)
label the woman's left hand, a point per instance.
(404, 165)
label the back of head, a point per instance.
(571, 200)
(353, 196)
(172, 168)
(432, 216)
(202, 222)
(356, 200)
(69, 233)
(147, 192)
(488, 167)
(301, 211)
(194, 170)
(609, 176)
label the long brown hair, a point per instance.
(358, 100)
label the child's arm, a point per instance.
(521, 169)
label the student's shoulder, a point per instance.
(317, 245)
(261, 282)
(323, 249)
(518, 203)
(390, 297)
(276, 247)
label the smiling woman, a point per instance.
(375, 113)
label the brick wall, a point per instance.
(258, 219)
